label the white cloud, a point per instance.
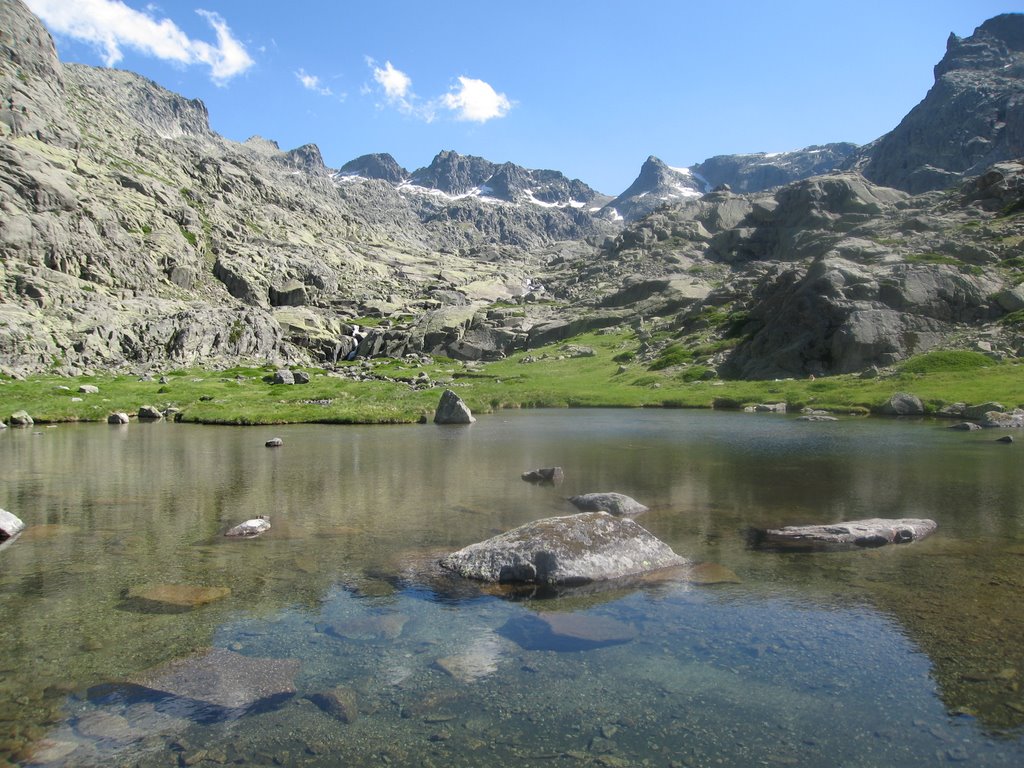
(312, 83)
(476, 101)
(472, 100)
(395, 82)
(111, 25)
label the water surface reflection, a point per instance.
(899, 656)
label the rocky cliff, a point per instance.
(972, 117)
(134, 236)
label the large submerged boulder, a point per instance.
(873, 532)
(569, 550)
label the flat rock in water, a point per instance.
(10, 525)
(179, 595)
(566, 631)
(249, 529)
(387, 626)
(617, 504)
(229, 682)
(711, 573)
(569, 550)
(479, 660)
(341, 703)
(873, 532)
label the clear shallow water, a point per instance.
(898, 656)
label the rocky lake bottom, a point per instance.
(135, 633)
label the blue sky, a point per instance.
(587, 88)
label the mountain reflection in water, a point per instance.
(905, 655)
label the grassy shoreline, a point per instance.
(563, 375)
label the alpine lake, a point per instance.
(134, 633)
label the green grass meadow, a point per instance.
(549, 378)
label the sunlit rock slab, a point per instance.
(873, 532)
(574, 549)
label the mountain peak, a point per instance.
(378, 165)
(657, 184)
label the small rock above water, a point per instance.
(274, 442)
(250, 528)
(873, 532)
(544, 475)
(570, 550)
(965, 426)
(451, 410)
(21, 419)
(118, 417)
(617, 504)
(902, 404)
(149, 413)
(10, 525)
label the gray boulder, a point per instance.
(284, 376)
(873, 532)
(570, 550)
(979, 411)
(1010, 420)
(300, 377)
(250, 528)
(21, 419)
(451, 410)
(10, 525)
(118, 417)
(149, 413)
(965, 426)
(544, 475)
(617, 504)
(89, 389)
(902, 404)
(274, 442)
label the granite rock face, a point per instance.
(972, 117)
(570, 550)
